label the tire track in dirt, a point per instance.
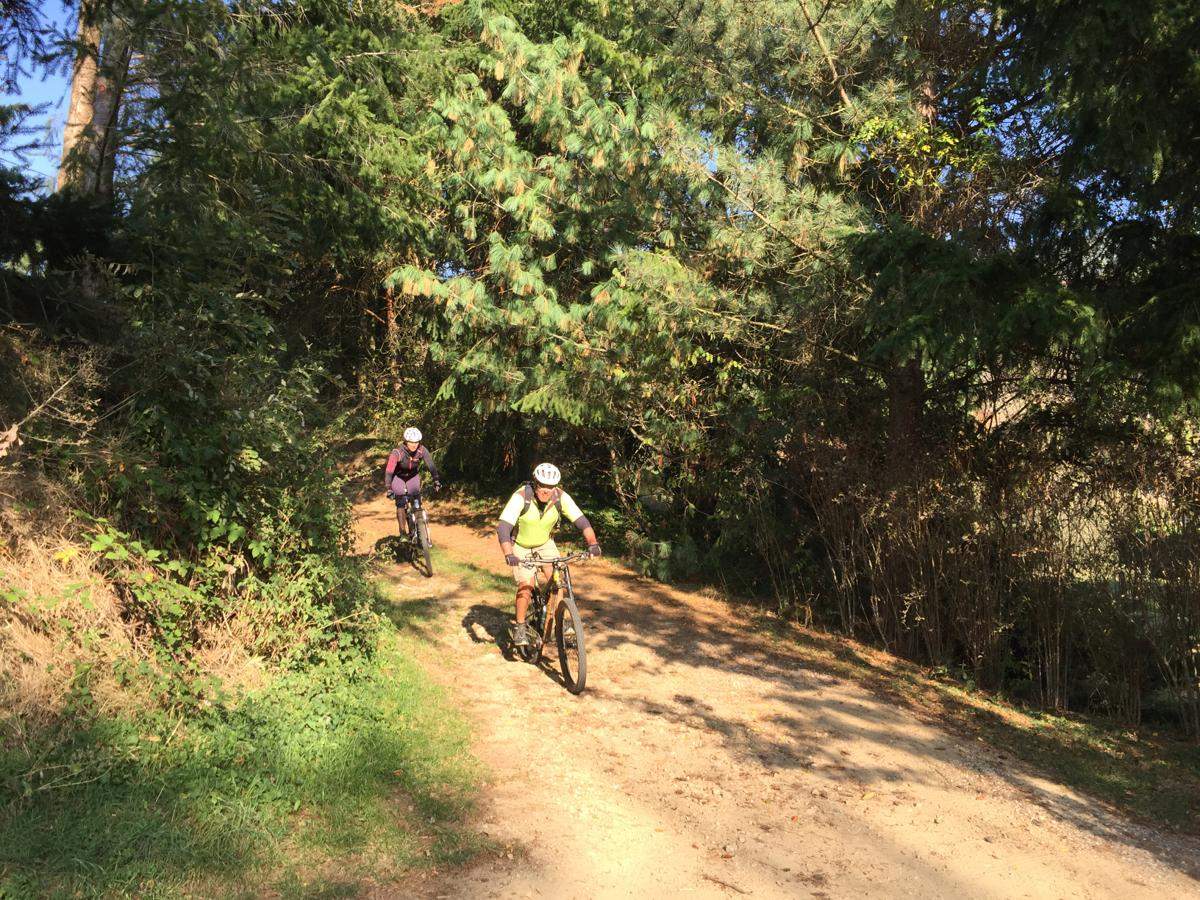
(704, 760)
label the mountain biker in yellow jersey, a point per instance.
(400, 478)
(524, 529)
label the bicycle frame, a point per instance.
(415, 522)
(543, 617)
(411, 509)
(560, 568)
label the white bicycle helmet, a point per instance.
(412, 434)
(547, 474)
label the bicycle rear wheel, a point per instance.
(572, 658)
(423, 544)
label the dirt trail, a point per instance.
(706, 761)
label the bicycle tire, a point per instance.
(423, 543)
(568, 634)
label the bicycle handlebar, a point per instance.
(531, 563)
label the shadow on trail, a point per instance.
(393, 547)
(401, 551)
(800, 677)
(800, 671)
(495, 624)
(417, 616)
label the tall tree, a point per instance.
(102, 55)
(104, 140)
(75, 171)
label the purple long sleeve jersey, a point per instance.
(404, 465)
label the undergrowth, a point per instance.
(349, 768)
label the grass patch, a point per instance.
(474, 578)
(358, 763)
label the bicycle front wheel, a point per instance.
(423, 544)
(572, 659)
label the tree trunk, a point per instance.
(90, 137)
(74, 172)
(906, 397)
(110, 87)
(392, 341)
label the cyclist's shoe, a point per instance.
(520, 635)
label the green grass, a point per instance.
(357, 767)
(475, 578)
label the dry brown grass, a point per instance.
(63, 627)
(58, 621)
(223, 653)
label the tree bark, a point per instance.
(101, 70)
(74, 172)
(110, 87)
(392, 340)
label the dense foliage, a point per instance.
(884, 307)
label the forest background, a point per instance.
(883, 312)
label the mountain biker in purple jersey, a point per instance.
(400, 478)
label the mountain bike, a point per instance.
(565, 623)
(418, 532)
